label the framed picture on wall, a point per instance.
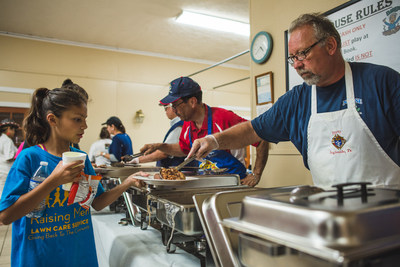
(264, 88)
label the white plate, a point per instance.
(150, 180)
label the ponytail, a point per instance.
(36, 127)
(121, 128)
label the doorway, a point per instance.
(17, 115)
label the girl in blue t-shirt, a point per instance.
(63, 235)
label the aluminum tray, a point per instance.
(123, 172)
(194, 181)
(151, 180)
(214, 208)
(335, 233)
(177, 209)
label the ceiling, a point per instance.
(145, 26)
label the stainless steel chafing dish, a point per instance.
(125, 171)
(128, 169)
(347, 226)
(213, 209)
(178, 210)
(169, 207)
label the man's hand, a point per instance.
(203, 146)
(251, 180)
(150, 148)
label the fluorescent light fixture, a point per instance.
(215, 23)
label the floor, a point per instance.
(5, 245)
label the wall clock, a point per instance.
(261, 47)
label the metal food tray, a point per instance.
(101, 170)
(124, 172)
(194, 181)
(213, 209)
(353, 231)
(161, 182)
(178, 212)
(177, 209)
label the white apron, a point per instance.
(342, 149)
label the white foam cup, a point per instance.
(69, 157)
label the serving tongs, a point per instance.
(128, 158)
(184, 163)
(125, 160)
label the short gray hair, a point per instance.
(323, 27)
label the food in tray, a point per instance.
(171, 174)
(117, 164)
(100, 166)
(208, 165)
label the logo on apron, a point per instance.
(338, 141)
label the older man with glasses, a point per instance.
(344, 120)
(200, 120)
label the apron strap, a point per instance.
(173, 127)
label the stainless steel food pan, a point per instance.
(123, 172)
(214, 208)
(177, 209)
(334, 233)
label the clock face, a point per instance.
(261, 47)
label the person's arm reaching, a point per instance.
(170, 149)
(155, 156)
(238, 136)
(110, 196)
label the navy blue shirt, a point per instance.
(121, 145)
(377, 96)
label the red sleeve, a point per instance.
(184, 141)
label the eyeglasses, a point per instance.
(174, 107)
(301, 55)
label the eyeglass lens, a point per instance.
(301, 55)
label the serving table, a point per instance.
(126, 245)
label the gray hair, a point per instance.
(323, 27)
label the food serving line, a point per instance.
(224, 224)
(168, 206)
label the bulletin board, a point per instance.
(369, 30)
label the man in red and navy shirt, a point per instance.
(200, 120)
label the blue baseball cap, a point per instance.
(113, 120)
(180, 87)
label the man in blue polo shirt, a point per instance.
(344, 120)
